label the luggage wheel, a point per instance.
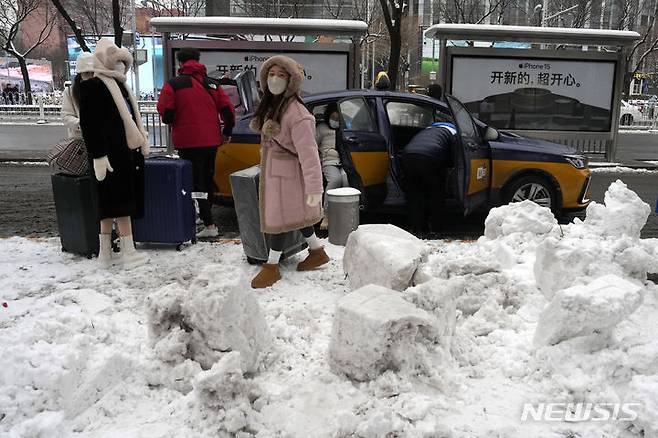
(179, 247)
(193, 240)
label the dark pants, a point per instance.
(278, 240)
(425, 191)
(203, 172)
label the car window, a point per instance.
(318, 111)
(464, 121)
(413, 115)
(234, 96)
(356, 115)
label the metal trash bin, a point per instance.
(343, 206)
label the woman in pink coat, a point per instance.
(290, 172)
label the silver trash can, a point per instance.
(343, 214)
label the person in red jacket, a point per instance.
(195, 106)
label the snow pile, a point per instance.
(607, 242)
(524, 217)
(643, 392)
(382, 254)
(85, 353)
(624, 213)
(437, 297)
(218, 314)
(584, 310)
(224, 398)
(376, 330)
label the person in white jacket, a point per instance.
(84, 69)
(325, 137)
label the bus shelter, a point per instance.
(328, 49)
(565, 85)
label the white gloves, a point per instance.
(314, 200)
(101, 166)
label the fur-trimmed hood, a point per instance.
(294, 69)
(106, 56)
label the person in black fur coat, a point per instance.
(117, 143)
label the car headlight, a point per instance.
(577, 161)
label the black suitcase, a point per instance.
(76, 205)
(256, 245)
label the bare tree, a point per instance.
(276, 9)
(472, 11)
(77, 31)
(642, 50)
(392, 12)
(177, 8)
(15, 16)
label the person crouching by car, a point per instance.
(424, 162)
(195, 106)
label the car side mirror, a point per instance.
(491, 134)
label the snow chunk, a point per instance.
(643, 390)
(583, 310)
(224, 397)
(382, 254)
(219, 386)
(224, 315)
(45, 424)
(438, 298)
(164, 311)
(374, 330)
(519, 217)
(624, 213)
(218, 315)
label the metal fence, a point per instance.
(41, 111)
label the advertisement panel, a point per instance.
(151, 73)
(39, 70)
(325, 71)
(527, 93)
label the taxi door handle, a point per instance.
(352, 141)
(472, 145)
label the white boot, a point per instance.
(130, 257)
(105, 250)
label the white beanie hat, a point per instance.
(84, 63)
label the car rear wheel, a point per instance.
(534, 188)
(627, 119)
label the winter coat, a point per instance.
(290, 170)
(289, 161)
(71, 114)
(326, 139)
(121, 193)
(434, 142)
(192, 104)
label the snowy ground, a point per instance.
(77, 359)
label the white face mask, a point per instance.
(276, 85)
(333, 124)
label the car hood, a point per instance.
(514, 142)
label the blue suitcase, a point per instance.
(169, 215)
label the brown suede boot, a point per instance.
(268, 275)
(315, 258)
